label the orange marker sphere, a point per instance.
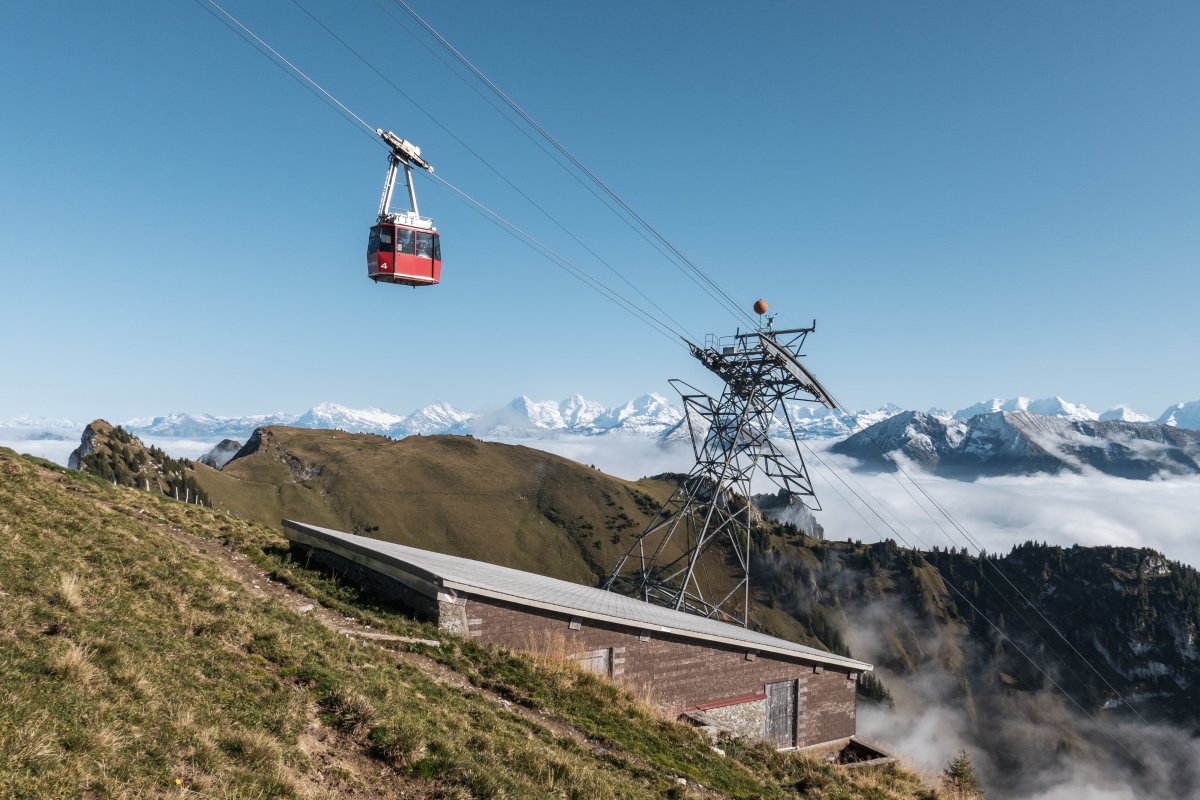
(760, 306)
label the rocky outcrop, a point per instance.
(87, 443)
(117, 456)
(222, 454)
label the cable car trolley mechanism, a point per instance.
(403, 246)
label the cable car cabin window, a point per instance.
(386, 240)
(437, 248)
(425, 245)
(373, 242)
(404, 241)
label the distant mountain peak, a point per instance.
(1123, 413)
(1054, 406)
(1182, 415)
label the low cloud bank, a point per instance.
(1024, 745)
(180, 448)
(1088, 509)
(54, 450)
(626, 457)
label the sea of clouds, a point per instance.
(993, 513)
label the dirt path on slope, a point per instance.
(259, 583)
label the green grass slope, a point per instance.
(131, 666)
(504, 504)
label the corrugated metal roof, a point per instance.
(539, 591)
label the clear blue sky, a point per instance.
(972, 200)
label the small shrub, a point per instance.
(398, 743)
(349, 711)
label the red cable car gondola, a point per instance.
(403, 247)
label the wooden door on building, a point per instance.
(781, 713)
(598, 661)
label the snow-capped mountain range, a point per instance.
(1023, 442)
(650, 415)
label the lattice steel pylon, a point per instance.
(695, 554)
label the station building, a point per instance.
(756, 685)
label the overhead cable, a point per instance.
(277, 58)
(698, 275)
(445, 129)
(985, 561)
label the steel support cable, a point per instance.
(583, 275)
(950, 539)
(589, 188)
(698, 274)
(568, 265)
(1004, 636)
(981, 554)
(259, 44)
(978, 549)
(678, 325)
(836, 473)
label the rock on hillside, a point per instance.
(1003, 442)
(221, 454)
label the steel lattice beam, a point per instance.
(695, 554)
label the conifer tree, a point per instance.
(959, 776)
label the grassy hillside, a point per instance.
(133, 665)
(505, 504)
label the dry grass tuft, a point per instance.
(28, 744)
(98, 743)
(351, 712)
(255, 748)
(69, 594)
(74, 662)
(643, 700)
(552, 652)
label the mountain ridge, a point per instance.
(650, 415)
(1021, 442)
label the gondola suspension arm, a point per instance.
(403, 152)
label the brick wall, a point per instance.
(678, 673)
